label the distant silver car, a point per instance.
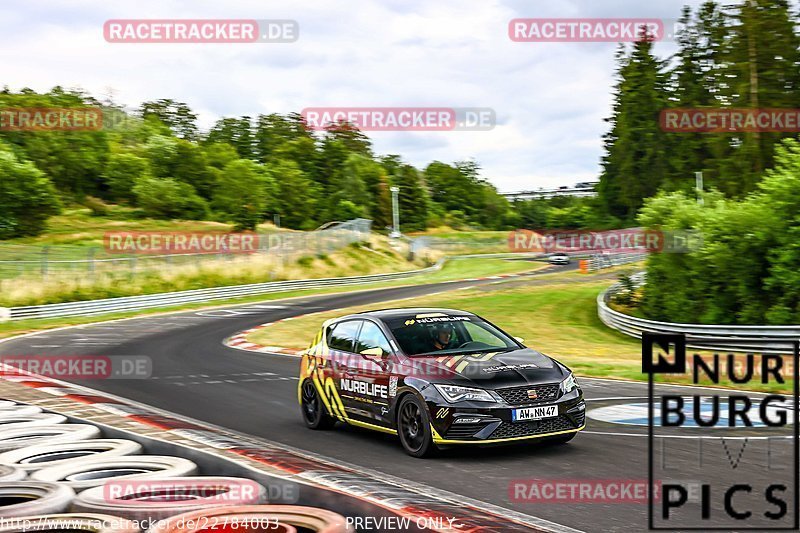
(559, 258)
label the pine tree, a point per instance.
(634, 166)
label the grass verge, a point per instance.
(559, 319)
(452, 270)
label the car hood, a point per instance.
(486, 370)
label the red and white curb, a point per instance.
(240, 342)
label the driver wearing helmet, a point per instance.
(442, 334)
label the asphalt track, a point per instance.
(195, 375)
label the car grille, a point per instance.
(525, 429)
(463, 431)
(519, 395)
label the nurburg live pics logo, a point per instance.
(746, 456)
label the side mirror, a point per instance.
(519, 339)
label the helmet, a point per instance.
(441, 327)
(442, 330)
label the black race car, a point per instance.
(436, 377)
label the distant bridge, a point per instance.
(580, 190)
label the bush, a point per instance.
(627, 294)
(169, 198)
(97, 206)
(27, 198)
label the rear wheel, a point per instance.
(414, 428)
(314, 414)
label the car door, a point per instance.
(371, 368)
(341, 338)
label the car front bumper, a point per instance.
(481, 423)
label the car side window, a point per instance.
(342, 336)
(372, 341)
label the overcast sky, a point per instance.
(550, 98)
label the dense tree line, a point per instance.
(745, 269)
(244, 170)
(745, 55)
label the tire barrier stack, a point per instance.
(32, 458)
(57, 476)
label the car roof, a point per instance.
(400, 312)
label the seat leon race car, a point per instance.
(436, 378)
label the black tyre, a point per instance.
(314, 414)
(414, 428)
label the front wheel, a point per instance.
(314, 414)
(414, 428)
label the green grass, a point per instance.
(379, 257)
(467, 241)
(559, 319)
(76, 226)
(451, 270)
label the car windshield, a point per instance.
(438, 333)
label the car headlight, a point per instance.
(454, 394)
(569, 384)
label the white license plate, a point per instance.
(534, 413)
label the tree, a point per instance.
(190, 165)
(27, 197)
(634, 165)
(180, 119)
(273, 131)
(237, 132)
(73, 160)
(244, 192)
(759, 61)
(695, 82)
(122, 171)
(382, 207)
(413, 199)
(297, 196)
(169, 198)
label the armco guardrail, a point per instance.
(601, 261)
(756, 339)
(135, 303)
